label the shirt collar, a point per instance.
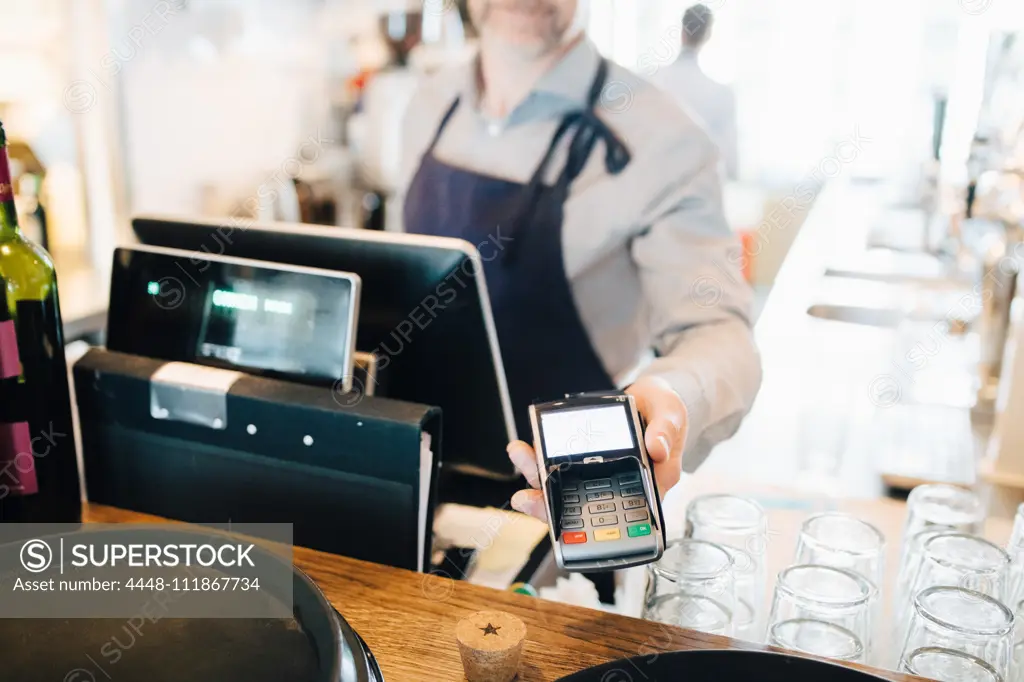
(565, 86)
(572, 77)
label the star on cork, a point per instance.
(490, 644)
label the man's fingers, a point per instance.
(527, 501)
(525, 460)
(663, 439)
(665, 414)
(530, 502)
(668, 474)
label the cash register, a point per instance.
(425, 315)
(226, 393)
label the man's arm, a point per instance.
(700, 306)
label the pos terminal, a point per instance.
(223, 393)
(599, 487)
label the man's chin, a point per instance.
(522, 45)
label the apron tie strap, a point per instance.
(589, 129)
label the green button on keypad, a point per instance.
(639, 529)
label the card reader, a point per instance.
(599, 487)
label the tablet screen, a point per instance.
(234, 314)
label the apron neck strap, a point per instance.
(618, 155)
(597, 86)
(444, 123)
(589, 128)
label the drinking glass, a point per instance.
(693, 586)
(959, 619)
(913, 553)
(936, 507)
(691, 611)
(948, 665)
(809, 598)
(748, 591)
(842, 541)
(1017, 654)
(943, 507)
(956, 560)
(1015, 548)
(739, 523)
(816, 637)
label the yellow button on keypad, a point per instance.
(605, 534)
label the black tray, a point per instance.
(719, 666)
(316, 645)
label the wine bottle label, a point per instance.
(17, 463)
(6, 188)
(10, 362)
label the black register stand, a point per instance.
(226, 394)
(350, 477)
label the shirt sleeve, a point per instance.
(689, 263)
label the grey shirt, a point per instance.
(653, 266)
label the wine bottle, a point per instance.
(38, 464)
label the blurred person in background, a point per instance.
(596, 203)
(711, 103)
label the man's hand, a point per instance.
(665, 414)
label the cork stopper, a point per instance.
(491, 643)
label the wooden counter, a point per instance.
(408, 620)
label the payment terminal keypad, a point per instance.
(605, 517)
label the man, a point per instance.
(711, 103)
(607, 200)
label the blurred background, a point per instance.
(127, 106)
(910, 109)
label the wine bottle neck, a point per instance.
(8, 213)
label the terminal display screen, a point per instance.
(264, 320)
(586, 430)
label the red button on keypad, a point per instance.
(574, 538)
